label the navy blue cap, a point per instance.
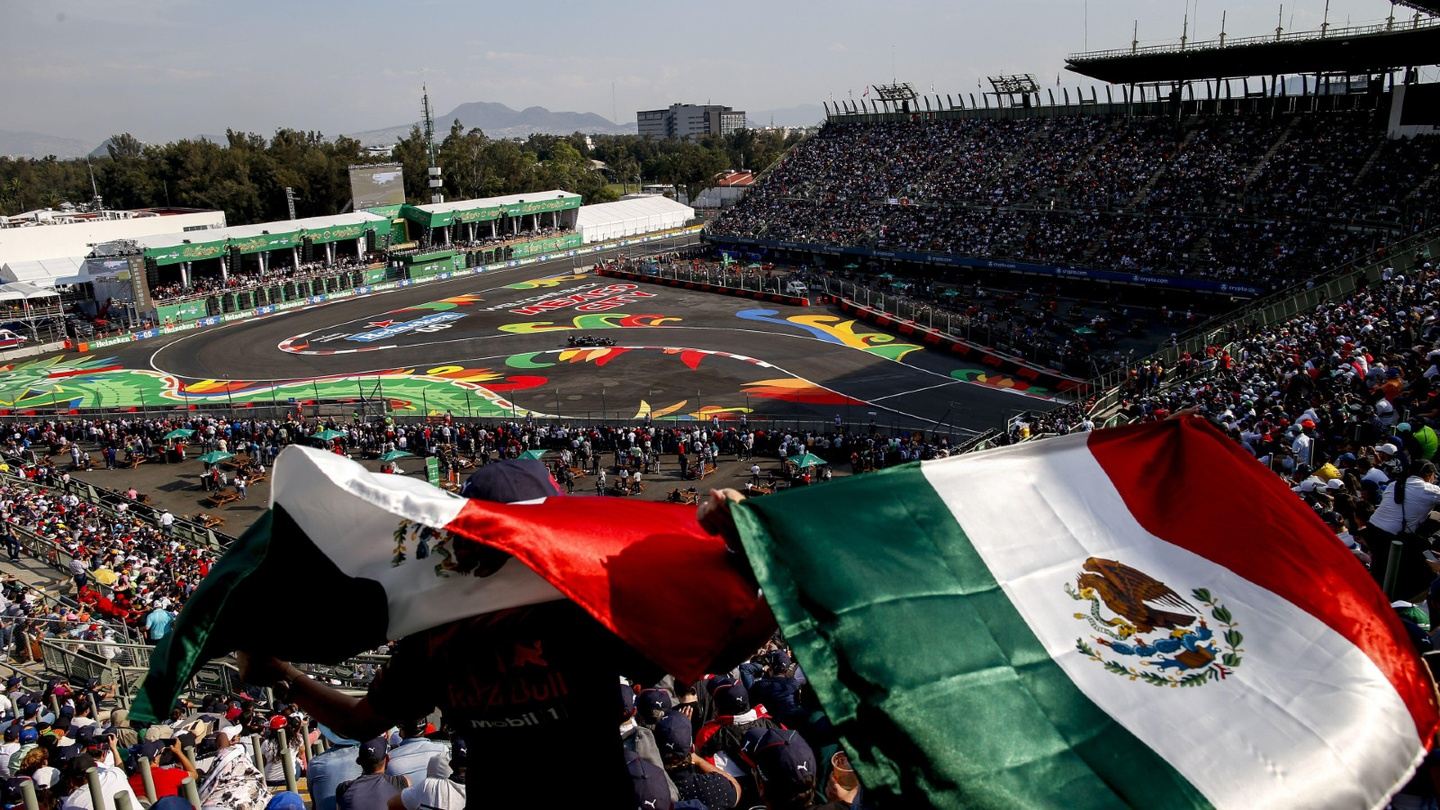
(731, 699)
(784, 760)
(652, 787)
(10, 792)
(509, 481)
(651, 703)
(675, 736)
(29, 735)
(372, 752)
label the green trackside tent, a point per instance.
(438, 215)
(807, 460)
(534, 454)
(950, 292)
(394, 454)
(179, 433)
(327, 435)
(264, 237)
(215, 457)
(181, 247)
(322, 230)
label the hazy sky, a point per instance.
(169, 68)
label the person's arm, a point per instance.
(354, 717)
(184, 760)
(705, 767)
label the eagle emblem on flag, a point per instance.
(454, 559)
(1145, 630)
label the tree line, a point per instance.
(246, 175)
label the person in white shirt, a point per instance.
(11, 745)
(1403, 507)
(77, 790)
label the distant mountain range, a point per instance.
(496, 120)
(499, 121)
(37, 144)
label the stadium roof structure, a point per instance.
(1358, 50)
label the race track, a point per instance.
(496, 344)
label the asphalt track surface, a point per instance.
(677, 352)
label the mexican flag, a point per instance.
(346, 560)
(1135, 617)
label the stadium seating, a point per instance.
(1267, 200)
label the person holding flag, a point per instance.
(510, 682)
(1141, 616)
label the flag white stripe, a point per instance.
(351, 514)
(1306, 720)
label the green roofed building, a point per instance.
(182, 258)
(469, 221)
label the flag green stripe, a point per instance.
(178, 656)
(934, 682)
(259, 596)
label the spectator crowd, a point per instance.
(1245, 198)
(249, 279)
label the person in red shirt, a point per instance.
(169, 767)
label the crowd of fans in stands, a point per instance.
(1262, 200)
(1343, 403)
(237, 281)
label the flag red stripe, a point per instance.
(1189, 485)
(645, 570)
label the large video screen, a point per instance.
(380, 184)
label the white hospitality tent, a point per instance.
(616, 220)
(21, 301)
(46, 272)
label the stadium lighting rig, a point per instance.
(1021, 86)
(900, 95)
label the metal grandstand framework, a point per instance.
(1357, 50)
(1427, 6)
(1019, 87)
(897, 95)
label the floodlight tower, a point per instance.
(437, 182)
(1021, 87)
(900, 96)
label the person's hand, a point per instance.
(715, 517)
(261, 670)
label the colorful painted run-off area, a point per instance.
(504, 349)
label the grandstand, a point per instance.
(1200, 238)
